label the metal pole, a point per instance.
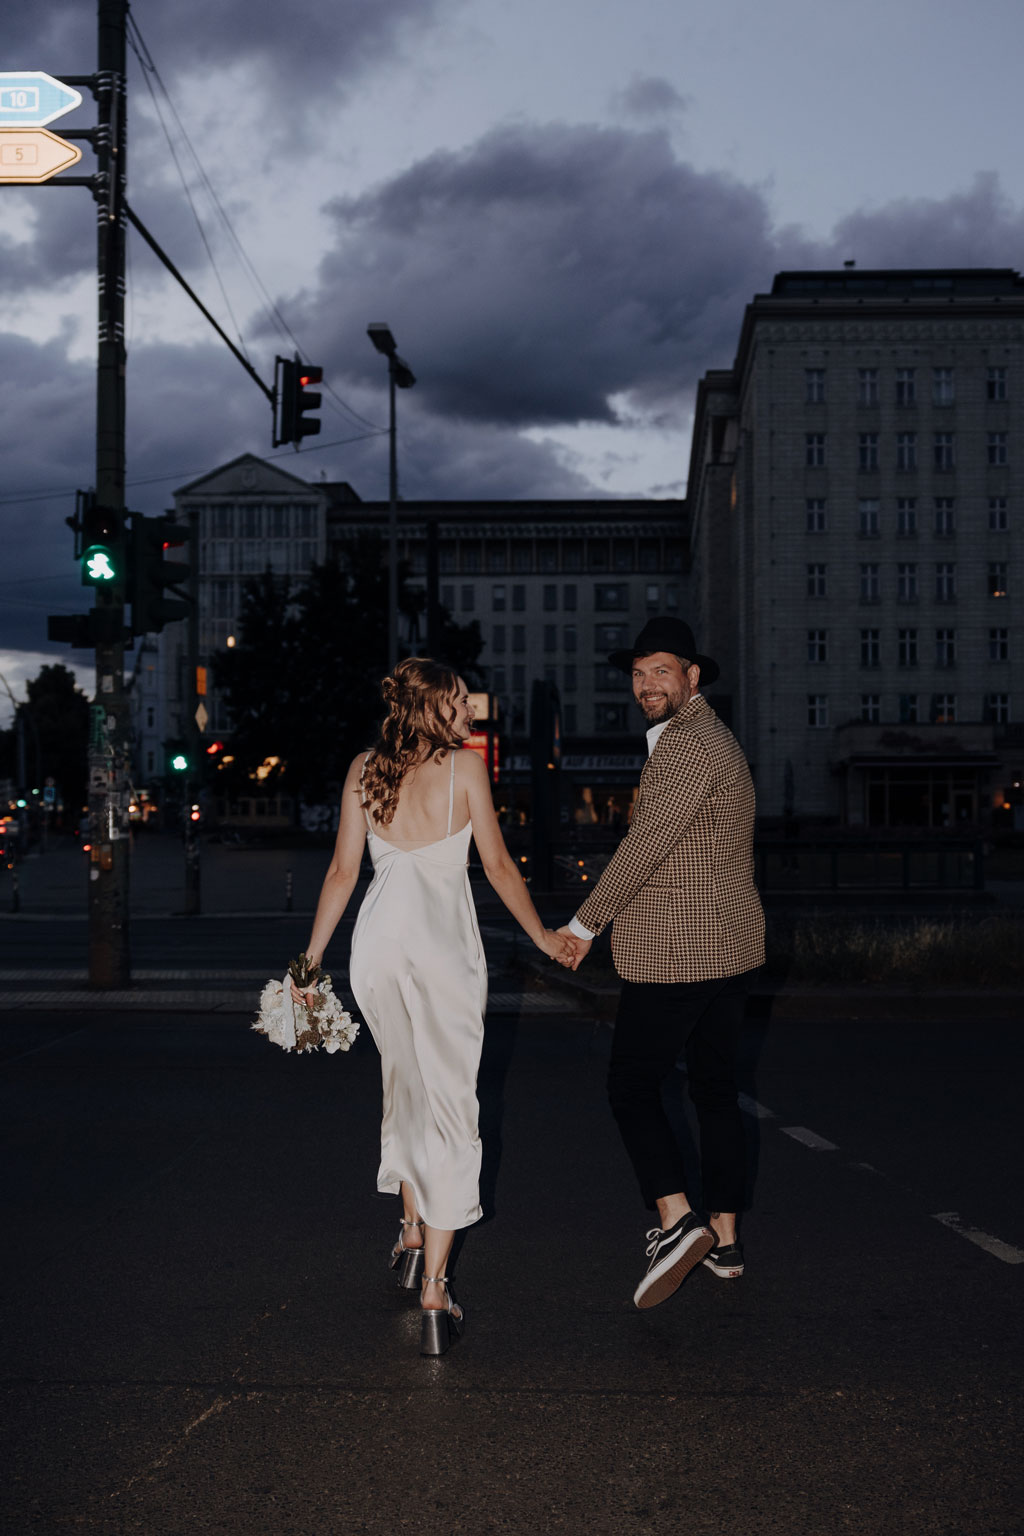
(392, 527)
(109, 963)
(192, 735)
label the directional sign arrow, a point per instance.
(34, 154)
(30, 98)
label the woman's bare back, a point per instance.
(421, 816)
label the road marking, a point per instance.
(808, 1138)
(750, 1106)
(994, 1245)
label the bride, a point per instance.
(417, 969)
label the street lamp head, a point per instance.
(380, 334)
(404, 376)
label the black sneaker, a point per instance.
(726, 1263)
(672, 1254)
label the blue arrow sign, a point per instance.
(32, 98)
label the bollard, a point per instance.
(288, 890)
(15, 893)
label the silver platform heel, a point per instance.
(441, 1326)
(408, 1261)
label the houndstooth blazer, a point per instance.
(679, 889)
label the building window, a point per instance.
(610, 679)
(908, 709)
(609, 637)
(522, 556)
(467, 599)
(906, 451)
(623, 555)
(519, 637)
(906, 647)
(817, 645)
(518, 677)
(649, 555)
(870, 583)
(944, 452)
(815, 509)
(997, 449)
(996, 709)
(867, 450)
(569, 718)
(998, 516)
(569, 677)
(817, 711)
(814, 385)
(906, 386)
(672, 595)
(446, 556)
(945, 517)
(611, 597)
(498, 682)
(906, 517)
(498, 598)
(572, 554)
(497, 557)
(945, 582)
(652, 595)
(518, 715)
(943, 391)
(995, 384)
(569, 638)
(867, 386)
(816, 581)
(550, 638)
(551, 674)
(870, 648)
(547, 555)
(999, 645)
(597, 555)
(868, 517)
(518, 599)
(945, 647)
(943, 709)
(871, 708)
(498, 639)
(997, 578)
(906, 582)
(550, 599)
(610, 717)
(569, 597)
(469, 557)
(814, 450)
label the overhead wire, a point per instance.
(273, 310)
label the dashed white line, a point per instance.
(808, 1138)
(994, 1245)
(751, 1107)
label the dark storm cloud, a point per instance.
(976, 228)
(544, 270)
(650, 96)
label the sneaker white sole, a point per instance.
(724, 1271)
(658, 1286)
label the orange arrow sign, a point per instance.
(34, 154)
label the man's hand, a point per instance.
(581, 946)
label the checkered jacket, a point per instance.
(679, 889)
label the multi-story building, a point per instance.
(856, 499)
(554, 585)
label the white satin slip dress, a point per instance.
(419, 977)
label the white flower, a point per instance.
(322, 1022)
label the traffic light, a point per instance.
(293, 400)
(101, 531)
(83, 631)
(151, 576)
(178, 761)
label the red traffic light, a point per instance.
(214, 748)
(310, 376)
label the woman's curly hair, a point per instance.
(420, 695)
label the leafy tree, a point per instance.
(303, 682)
(55, 730)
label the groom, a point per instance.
(687, 927)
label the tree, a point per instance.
(303, 682)
(54, 724)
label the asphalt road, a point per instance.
(202, 1334)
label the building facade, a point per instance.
(856, 495)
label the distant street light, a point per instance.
(400, 375)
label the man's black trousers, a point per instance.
(655, 1024)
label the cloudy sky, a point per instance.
(560, 207)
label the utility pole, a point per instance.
(110, 738)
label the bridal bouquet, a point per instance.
(320, 1021)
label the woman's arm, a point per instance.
(498, 866)
(343, 871)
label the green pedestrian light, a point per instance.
(97, 566)
(102, 533)
(179, 762)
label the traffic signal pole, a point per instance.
(110, 737)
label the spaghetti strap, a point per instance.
(451, 795)
(362, 771)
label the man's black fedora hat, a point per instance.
(666, 635)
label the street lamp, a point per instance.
(400, 375)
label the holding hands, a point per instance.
(556, 947)
(580, 947)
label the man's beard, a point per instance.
(656, 710)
